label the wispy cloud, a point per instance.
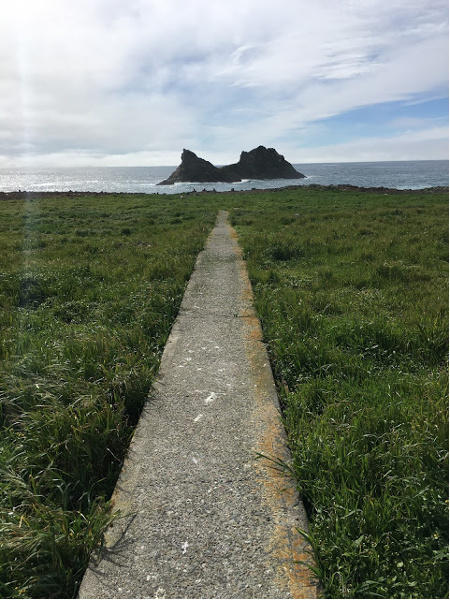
(409, 145)
(103, 81)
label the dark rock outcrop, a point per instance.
(194, 168)
(260, 163)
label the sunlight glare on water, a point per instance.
(401, 175)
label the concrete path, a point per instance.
(201, 515)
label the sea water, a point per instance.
(395, 174)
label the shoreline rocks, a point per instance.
(33, 195)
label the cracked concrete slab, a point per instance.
(202, 515)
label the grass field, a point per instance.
(89, 289)
(352, 292)
(351, 289)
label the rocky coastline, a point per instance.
(23, 195)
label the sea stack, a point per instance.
(260, 163)
(194, 168)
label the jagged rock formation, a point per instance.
(260, 163)
(194, 168)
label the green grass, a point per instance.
(352, 293)
(351, 289)
(89, 289)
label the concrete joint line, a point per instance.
(202, 515)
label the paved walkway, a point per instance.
(201, 515)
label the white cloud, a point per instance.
(94, 79)
(407, 146)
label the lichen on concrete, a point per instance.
(202, 514)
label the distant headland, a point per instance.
(260, 163)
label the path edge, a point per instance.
(295, 554)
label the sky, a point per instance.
(133, 82)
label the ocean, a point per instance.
(395, 174)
